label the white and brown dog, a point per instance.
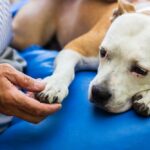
(120, 50)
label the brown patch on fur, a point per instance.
(88, 44)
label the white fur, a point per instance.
(66, 62)
(127, 40)
(143, 105)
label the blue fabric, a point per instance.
(45, 60)
(78, 125)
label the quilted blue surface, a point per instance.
(78, 125)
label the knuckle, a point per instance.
(27, 80)
(6, 69)
(8, 98)
(7, 94)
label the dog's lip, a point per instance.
(111, 109)
(104, 107)
(99, 105)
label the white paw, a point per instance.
(56, 90)
(141, 103)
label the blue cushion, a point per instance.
(78, 125)
(45, 61)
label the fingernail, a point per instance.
(39, 84)
(60, 106)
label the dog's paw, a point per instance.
(141, 103)
(54, 92)
(141, 108)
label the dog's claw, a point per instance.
(137, 97)
(55, 99)
(41, 97)
(46, 99)
(141, 108)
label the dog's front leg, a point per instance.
(57, 85)
(80, 54)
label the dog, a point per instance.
(118, 48)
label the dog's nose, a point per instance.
(100, 95)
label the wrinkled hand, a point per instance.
(16, 103)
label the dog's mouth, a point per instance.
(121, 107)
(115, 109)
(116, 106)
(104, 107)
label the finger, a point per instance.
(13, 111)
(28, 117)
(24, 81)
(30, 94)
(33, 106)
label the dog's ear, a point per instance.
(124, 6)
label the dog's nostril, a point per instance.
(100, 94)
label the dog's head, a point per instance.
(124, 63)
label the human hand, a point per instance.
(15, 102)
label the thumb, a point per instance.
(24, 81)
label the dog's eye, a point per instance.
(103, 52)
(139, 70)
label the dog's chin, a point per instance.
(115, 109)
